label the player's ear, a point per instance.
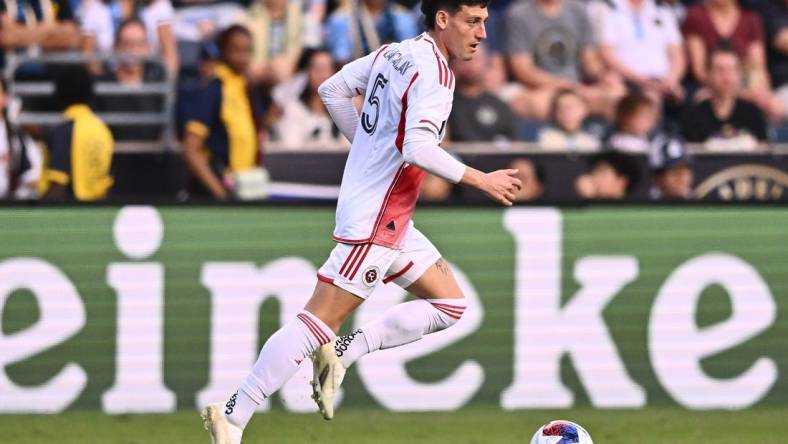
(441, 19)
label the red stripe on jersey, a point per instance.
(363, 256)
(316, 332)
(403, 115)
(443, 70)
(451, 82)
(380, 51)
(386, 201)
(356, 255)
(325, 279)
(399, 208)
(431, 123)
(344, 265)
(399, 273)
(441, 74)
(448, 74)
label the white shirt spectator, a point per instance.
(640, 40)
(155, 14)
(95, 20)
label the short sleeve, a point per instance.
(205, 111)
(161, 12)
(429, 106)
(672, 33)
(757, 31)
(516, 39)
(759, 125)
(59, 148)
(610, 31)
(694, 22)
(585, 34)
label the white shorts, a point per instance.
(360, 268)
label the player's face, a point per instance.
(465, 31)
(238, 53)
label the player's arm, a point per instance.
(338, 91)
(420, 149)
(198, 165)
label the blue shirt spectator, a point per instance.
(353, 32)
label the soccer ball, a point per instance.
(561, 432)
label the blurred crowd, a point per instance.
(612, 77)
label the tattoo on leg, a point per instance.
(443, 266)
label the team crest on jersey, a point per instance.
(370, 276)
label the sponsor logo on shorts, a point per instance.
(370, 275)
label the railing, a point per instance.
(163, 118)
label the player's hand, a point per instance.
(502, 186)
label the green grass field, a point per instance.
(358, 426)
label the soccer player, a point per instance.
(408, 89)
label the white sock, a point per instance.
(279, 359)
(399, 325)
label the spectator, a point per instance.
(714, 21)
(640, 40)
(224, 122)
(636, 120)
(20, 157)
(158, 15)
(725, 120)
(671, 166)
(775, 17)
(277, 32)
(80, 149)
(305, 122)
(27, 26)
(612, 175)
(356, 29)
(132, 47)
(477, 115)
(189, 89)
(567, 114)
(132, 71)
(96, 26)
(533, 178)
(550, 47)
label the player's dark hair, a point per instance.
(557, 96)
(125, 24)
(431, 7)
(73, 85)
(226, 34)
(723, 47)
(623, 164)
(629, 105)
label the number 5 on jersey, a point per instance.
(367, 123)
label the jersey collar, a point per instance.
(75, 110)
(226, 74)
(426, 37)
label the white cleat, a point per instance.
(221, 430)
(328, 375)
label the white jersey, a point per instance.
(405, 85)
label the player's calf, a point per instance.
(399, 325)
